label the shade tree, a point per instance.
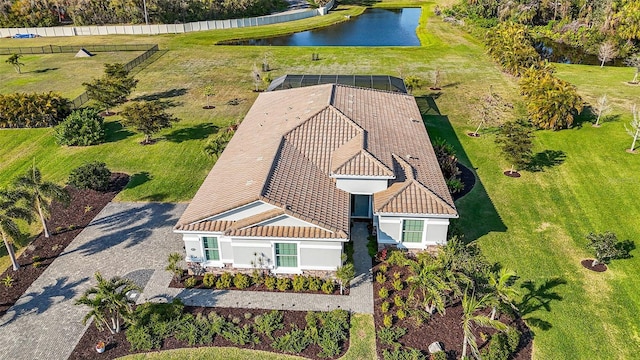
(515, 141)
(112, 88)
(147, 117)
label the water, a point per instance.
(566, 54)
(375, 27)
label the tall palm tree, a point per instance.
(11, 210)
(108, 302)
(40, 194)
(471, 305)
(501, 284)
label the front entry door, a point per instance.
(361, 206)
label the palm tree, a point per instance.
(40, 194)
(470, 320)
(10, 210)
(108, 302)
(431, 280)
(501, 284)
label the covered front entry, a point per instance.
(361, 206)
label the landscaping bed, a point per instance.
(256, 282)
(118, 345)
(445, 329)
(65, 224)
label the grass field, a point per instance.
(535, 224)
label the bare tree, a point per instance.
(491, 109)
(634, 61)
(257, 79)
(607, 52)
(602, 108)
(635, 128)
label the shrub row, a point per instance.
(153, 323)
(32, 110)
(299, 283)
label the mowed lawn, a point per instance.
(535, 224)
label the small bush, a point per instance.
(398, 284)
(383, 293)
(283, 284)
(372, 246)
(328, 287)
(397, 301)
(391, 335)
(502, 345)
(224, 281)
(315, 283)
(256, 277)
(380, 278)
(209, 280)
(7, 281)
(397, 257)
(383, 268)
(248, 315)
(294, 342)
(397, 275)
(81, 128)
(241, 281)
(401, 314)
(241, 335)
(190, 282)
(299, 283)
(94, 175)
(387, 321)
(270, 282)
(440, 355)
(385, 307)
(268, 323)
(403, 354)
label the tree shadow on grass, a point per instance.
(478, 215)
(546, 159)
(39, 301)
(162, 95)
(114, 132)
(138, 179)
(198, 132)
(539, 297)
(42, 71)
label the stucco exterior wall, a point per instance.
(362, 186)
(389, 231)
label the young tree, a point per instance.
(208, 91)
(501, 284)
(634, 61)
(40, 194)
(602, 108)
(345, 274)
(15, 61)
(515, 140)
(11, 210)
(428, 279)
(412, 82)
(606, 52)
(147, 118)
(605, 247)
(635, 127)
(255, 75)
(112, 88)
(172, 265)
(108, 302)
(471, 305)
(492, 109)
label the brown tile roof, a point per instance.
(287, 232)
(209, 226)
(292, 141)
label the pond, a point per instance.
(375, 27)
(566, 54)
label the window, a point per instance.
(412, 230)
(211, 249)
(287, 255)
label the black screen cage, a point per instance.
(378, 82)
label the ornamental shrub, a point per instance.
(190, 282)
(380, 278)
(268, 323)
(294, 342)
(383, 293)
(315, 283)
(94, 175)
(385, 307)
(387, 321)
(224, 281)
(398, 285)
(283, 284)
(270, 282)
(397, 300)
(32, 110)
(209, 280)
(83, 127)
(241, 281)
(299, 283)
(328, 287)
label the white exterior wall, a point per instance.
(390, 231)
(362, 186)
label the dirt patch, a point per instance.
(513, 174)
(118, 345)
(446, 328)
(587, 264)
(65, 224)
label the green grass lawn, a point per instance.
(535, 224)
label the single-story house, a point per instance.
(302, 165)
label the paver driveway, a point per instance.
(123, 238)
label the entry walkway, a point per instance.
(359, 300)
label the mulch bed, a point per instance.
(121, 347)
(65, 224)
(175, 283)
(513, 174)
(598, 268)
(468, 179)
(472, 134)
(446, 329)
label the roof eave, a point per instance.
(443, 216)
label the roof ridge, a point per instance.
(403, 187)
